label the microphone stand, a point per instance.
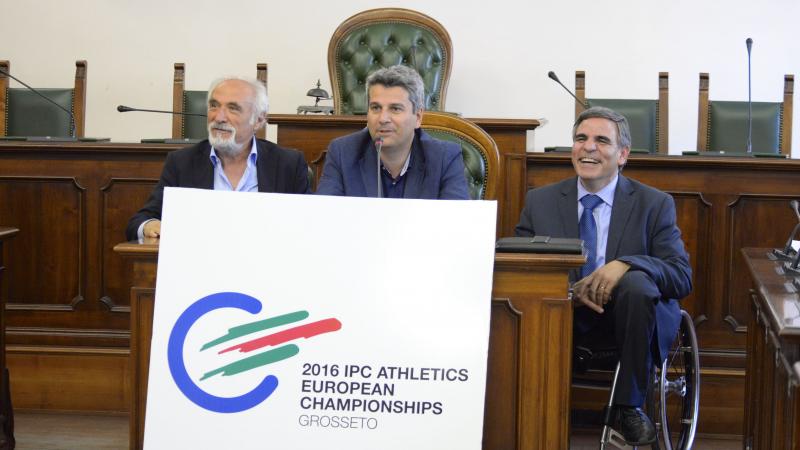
(552, 75)
(123, 108)
(378, 145)
(749, 43)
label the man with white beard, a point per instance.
(232, 159)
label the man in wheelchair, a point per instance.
(636, 266)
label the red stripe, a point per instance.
(302, 331)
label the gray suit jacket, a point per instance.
(643, 233)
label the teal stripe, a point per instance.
(253, 327)
(252, 362)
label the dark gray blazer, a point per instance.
(643, 233)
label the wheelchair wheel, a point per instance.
(674, 397)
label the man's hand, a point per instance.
(152, 229)
(594, 291)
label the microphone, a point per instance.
(378, 146)
(795, 205)
(71, 117)
(123, 108)
(749, 43)
(553, 77)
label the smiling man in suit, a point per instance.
(636, 267)
(231, 159)
(413, 164)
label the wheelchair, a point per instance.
(673, 394)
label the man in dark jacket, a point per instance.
(232, 159)
(637, 267)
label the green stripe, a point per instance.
(251, 362)
(253, 327)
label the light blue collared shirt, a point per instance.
(602, 215)
(249, 180)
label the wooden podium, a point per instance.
(528, 379)
(772, 389)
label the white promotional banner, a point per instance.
(311, 322)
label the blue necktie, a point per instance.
(588, 232)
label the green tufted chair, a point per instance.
(481, 157)
(23, 113)
(193, 127)
(384, 37)
(648, 119)
(722, 125)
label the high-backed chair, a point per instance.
(481, 157)
(193, 127)
(723, 125)
(384, 37)
(648, 119)
(23, 113)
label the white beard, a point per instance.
(225, 145)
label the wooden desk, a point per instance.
(311, 134)
(6, 430)
(68, 292)
(529, 367)
(772, 394)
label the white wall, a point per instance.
(502, 52)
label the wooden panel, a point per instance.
(502, 377)
(67, 288)
(35, 204)
(122, 197)
(69, 379)
(694, 220)
(755, 221)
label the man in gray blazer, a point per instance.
(413, 164)
(637, 267)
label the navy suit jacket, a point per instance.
(278, 170)
(642, 232)
(436, 170)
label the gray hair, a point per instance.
(404, 77)
(260, 102)
(623, 129)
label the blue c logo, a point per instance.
(177, 367)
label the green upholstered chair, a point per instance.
(481, 157)
(722, 125)
(23, 113)
(648, 119)
(384, 37)
(195, 102)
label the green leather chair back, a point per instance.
(647, 118)
(642, 118)
(474, 162)
(28, 114)
(195, 127)
(478, 149)
(385, 37)
(727, 126)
